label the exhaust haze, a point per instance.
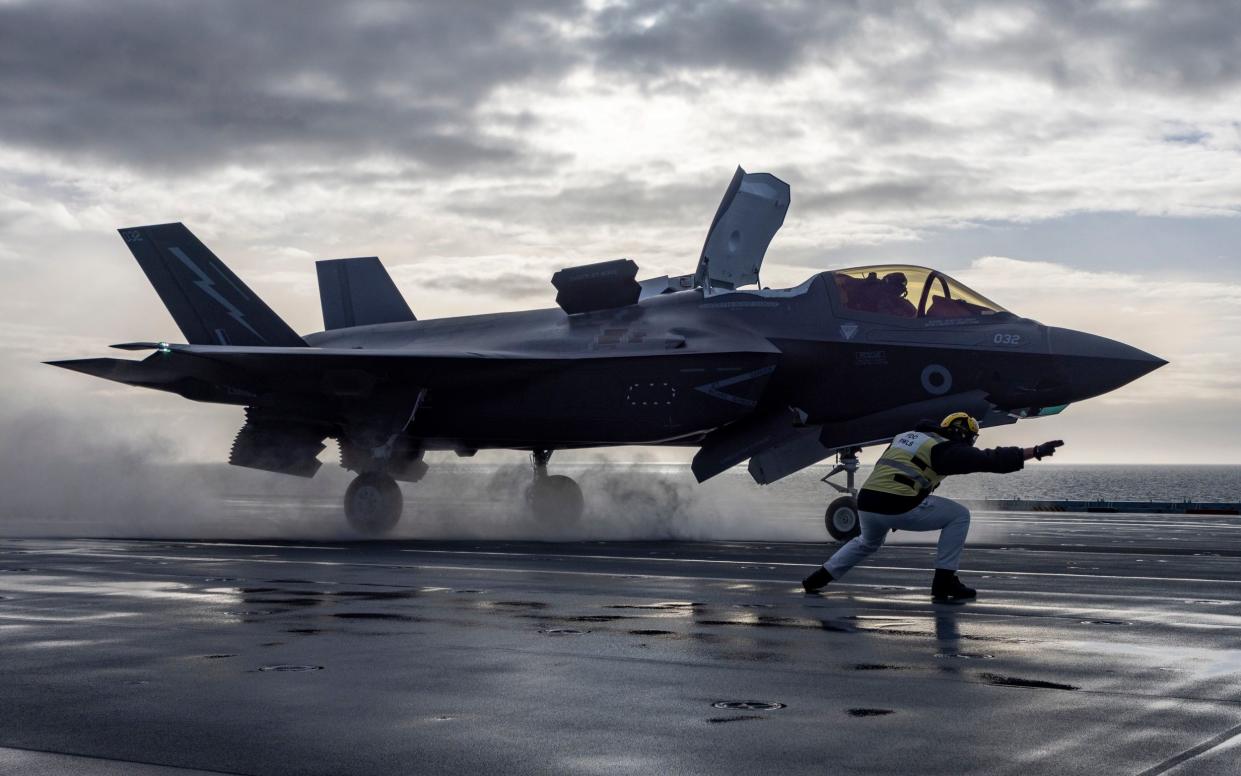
(71, 476)
(71, 473)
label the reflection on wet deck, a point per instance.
(487, 656)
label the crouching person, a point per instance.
(897, 495)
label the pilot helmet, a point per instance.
(897, 281)
(960, 426)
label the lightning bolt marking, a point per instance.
(208, 287)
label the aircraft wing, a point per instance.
(778, 444)
(239, 373)
(797, 448)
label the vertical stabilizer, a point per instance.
(359, 292)
(209, 303)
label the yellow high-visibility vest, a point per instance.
(904, 469)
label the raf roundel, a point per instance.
(936, 379)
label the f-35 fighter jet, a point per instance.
(782, 378)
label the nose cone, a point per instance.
(1096, 365)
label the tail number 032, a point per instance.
(1006, 339)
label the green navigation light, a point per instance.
(1045, 411)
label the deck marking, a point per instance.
(1190, 754)
(919, 569)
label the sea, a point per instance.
(1038, 481)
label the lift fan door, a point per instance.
(750, 214)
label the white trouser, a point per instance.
(935, 514)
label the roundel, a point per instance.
(936, 379)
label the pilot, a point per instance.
(865, 294)
(897, 494)
(892, 301)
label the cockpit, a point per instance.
(902, 291)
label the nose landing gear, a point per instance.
(841, 517)
(553, 498)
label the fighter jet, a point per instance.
(781, 378)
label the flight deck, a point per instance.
(1100, 643)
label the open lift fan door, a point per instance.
(750, 214)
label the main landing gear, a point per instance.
(553, 498)
(373, 503)
(841, 517)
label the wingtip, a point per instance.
(75, 364)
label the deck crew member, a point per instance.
(897, 495)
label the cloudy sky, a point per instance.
(1078, 162)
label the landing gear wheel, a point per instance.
(555, 499)
(373, 503)
(842, 519)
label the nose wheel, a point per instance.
(373, 503)
(842, 520)
(841, 517)
(553, 498)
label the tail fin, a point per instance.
(359, 292)
(209, 303)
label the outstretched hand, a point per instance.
(1047, 449)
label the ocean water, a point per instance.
(1036, 481)
(1084, 482)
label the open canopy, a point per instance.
(904, 291)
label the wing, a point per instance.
(792, 449)
(238, 375)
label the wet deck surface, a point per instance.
(1101, 644)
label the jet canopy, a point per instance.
(903, 291)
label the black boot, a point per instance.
(817, 580)
(946, 587)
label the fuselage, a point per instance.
(676, 366)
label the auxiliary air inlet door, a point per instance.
(750, 214)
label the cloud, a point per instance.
(155, 86)
(653, 37)
(1161, 46)
(159, 87)
(1189, 136)
(503, 284)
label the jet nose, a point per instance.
(1096, 365)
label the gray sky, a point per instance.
(1078, 162)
